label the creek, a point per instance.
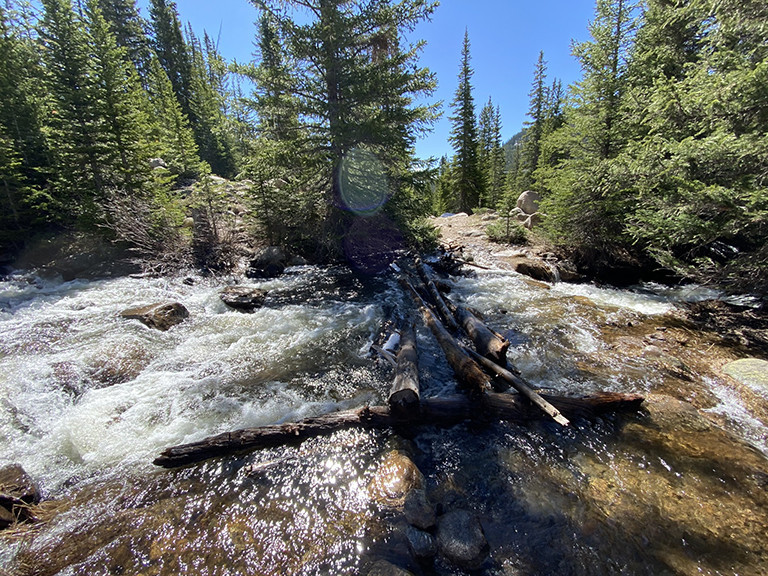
(88, 399)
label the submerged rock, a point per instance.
(422, 544)
(384, 568)
(418, 511)
(395, 478)
(751, 372)
(243, 298)
(461, 539)
(162, 316)
(17, 491)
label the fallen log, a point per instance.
(468, 373)
(404, 395)
(521, 386)
(488, 343)
(435, 294)
(445, 411)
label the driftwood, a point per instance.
(468, 373)
(435, 294)
(404, 396)
(521, 386)
(488, 343)
(432, 412)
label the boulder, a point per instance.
(528, 201)
(532, 220)
(384, 568)
(162, 316)
(418, 511)
(536, 269)
(243, 298)
(422, 544)
(461, 539)
(268, 263)
(395, 478)
(157, 163)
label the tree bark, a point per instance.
(433, 412)
(404, 398)
(435, 294)
(488, 343)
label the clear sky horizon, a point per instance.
(505, 39)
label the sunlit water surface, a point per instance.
(88, 399)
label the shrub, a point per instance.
(507, 231)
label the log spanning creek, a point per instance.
(88, 399)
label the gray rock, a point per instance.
(461, 540)
(528, 201)
(532, 220)
(243, 298)
(268, 263)
(161, 316)
(418, 511)
(536, 269)
(751, 372)
(422, 544)
(384, 568)
(157, 163)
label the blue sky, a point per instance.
(505, 38)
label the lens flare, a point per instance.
(363, 182)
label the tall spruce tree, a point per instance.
(24, 204)
(468, 176)
(354, 80)
(491, 155)
(537, 112)
(172, 51)
(128, 28)
(588, 200)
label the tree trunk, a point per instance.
(404, 397)
(433, 412)
(488, 343)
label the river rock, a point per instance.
(162, 316)
(532, 220)
(422, 544)
(751, 372)
(395, 477)
(17, 491)
(384, 568)
(461, 540)
(418, 511)
(528, 202)
(536, 269)
(268, 263)
(243, 298)
(16, 483)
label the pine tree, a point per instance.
(354, 81)
(207, 103)
(468, 176)
(24, 160)
(588, 201)
(170, 126)
(537, 112)
(491, 155)
(78, 167)
(172, 51)
(128, 28)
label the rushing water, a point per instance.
(88, 399)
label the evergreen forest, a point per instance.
(125, 125)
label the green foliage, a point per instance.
(340, 84)
(507, 231)
(468, 178)
(491, 155)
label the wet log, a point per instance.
(521, 386)
(433, 412)
(435, 294)
(468, 373)
(487, 342)
(404, 395)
